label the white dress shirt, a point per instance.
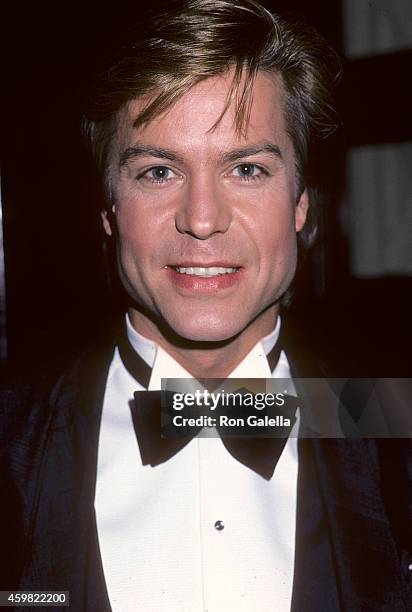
(160, 531)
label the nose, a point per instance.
(204, 210)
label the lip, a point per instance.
(204, 285)
(203, 264)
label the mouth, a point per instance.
(196, 279)
(205, 272)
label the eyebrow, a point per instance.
(142, 150)
(265, 147)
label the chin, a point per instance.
(208, 329)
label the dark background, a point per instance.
(56, 291)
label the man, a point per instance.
(202, 131)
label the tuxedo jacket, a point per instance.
(354, 508)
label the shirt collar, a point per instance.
(254, 365)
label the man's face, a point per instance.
(207, 218)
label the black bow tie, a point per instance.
(259, 454)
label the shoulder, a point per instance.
(32, 402)
(25, 406)
(395, 461)
(320, 350)
(37, 414)
(26, 416)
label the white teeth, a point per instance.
(205, 272)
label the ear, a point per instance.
(107, 220)
(301, 211)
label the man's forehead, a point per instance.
(206, 108)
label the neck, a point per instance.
(207, 359)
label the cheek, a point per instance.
(277, 236)
(279, 263)
(134, 265)
(130, 243)
(278, 255)
(135, 231)
(134, 249)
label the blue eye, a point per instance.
(158, 173)
(249, 171)
(158, 176)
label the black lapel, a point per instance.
(63, 553)
(369, 576)
(314, 582)
(367, 561)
